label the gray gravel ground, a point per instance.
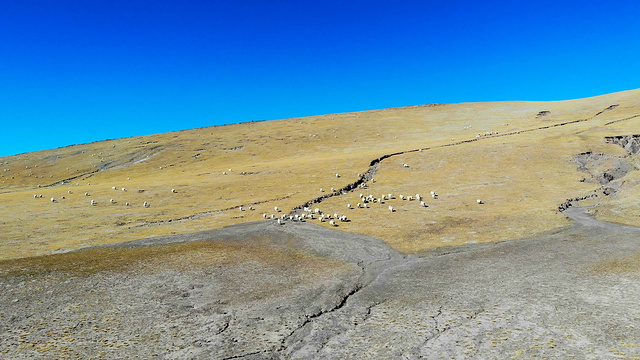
(531, 298)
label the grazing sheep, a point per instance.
(333, 223)
(423, 204)
(272, 216)
(40, 196)
(224, 173)
(321, 190)
(391, 208)
(435, 196)
(113, 187)
(241, 208)
(276, 209)
(337, 175)
(35, 196)
(410, 198)
(112, 201)
(86, 194)
(173, 191)
(333, 190)
(359, 205)
(250, 207)
(230, 170)
(146, 204)
(321, 218)
(401, 197)
(405, 165)
(348, 206)
(390, 196)
(63, 197)
(280, 222)
(123, 189)
(69, 191)
(335, 215)
(264, 215)
(53, 200)
(93, 202)
(316, 210)
(127, 204)
(479, 201)
(343, 218)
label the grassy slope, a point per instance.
(522, 178)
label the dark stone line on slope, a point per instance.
(374, 164)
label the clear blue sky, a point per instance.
(79, 71)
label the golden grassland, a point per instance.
(522, 175)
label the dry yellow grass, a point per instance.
(522, 176)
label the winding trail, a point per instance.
(375, 163)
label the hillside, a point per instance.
(522, 159)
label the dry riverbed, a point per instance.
(261, 291)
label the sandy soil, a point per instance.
(302, 291)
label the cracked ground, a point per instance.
(318, 293)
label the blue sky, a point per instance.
(79, 71)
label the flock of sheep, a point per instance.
(94, 202)
(307, 213)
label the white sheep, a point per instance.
(321, 190)
(280, 222)
(272, 216)
(69, 192)
(250, 207)
(391, 208)
(343, 218)
(335, 215)
(123, 189)
(86, 194)
(348, 206)
(333, 190)
(241, 208)
(146, 204)
(316, 210)
(333, 223)
(435, 196)
(127, 204)
(113, 187)
(423, 204)
(337, 175)
(276, 209)
(359, 205)
(93, 202)
(479, 201)
(264, 215)
(405, 165)
(410, 198)
(35, 196)
(112, 201)
(401, 197)
(173, 191)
